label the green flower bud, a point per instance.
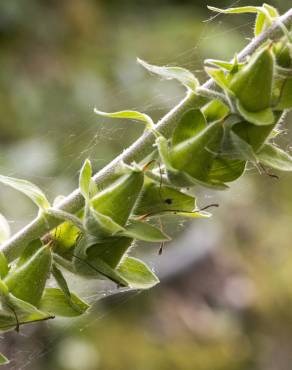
(28, 281)
(96, 259)
(252, 84)
(117, 200)
(283, 53)
(190, 124)
(111, 251)
(195, 155)
(254, 135)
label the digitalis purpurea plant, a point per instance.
(207, 140)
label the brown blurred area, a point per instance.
(225, 298)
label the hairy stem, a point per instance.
(141, 148)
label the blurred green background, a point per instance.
(225, 300)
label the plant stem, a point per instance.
(212, 94)
(13, 247)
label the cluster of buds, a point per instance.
(223, 130)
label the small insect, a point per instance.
(262, 170)
(161, 249)
(168, 201)
(162, 243)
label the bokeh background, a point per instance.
(225, 298)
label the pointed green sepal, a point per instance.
(100, 225)
(27, 188)
(265, 15)
(216, 110)
(254, 135)
(182, 75)
(3, 360)
(264, 117)
(264, 18)
(142, 231)
(158, 199)
(231, 67)
(274, 157)
(226, 170)
(85, 179)
(75, 306)
(129, 114)
(27, 282)
(137, 274)
(57, 303)
(221, 79)
(17, 312)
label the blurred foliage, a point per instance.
(58, 59)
